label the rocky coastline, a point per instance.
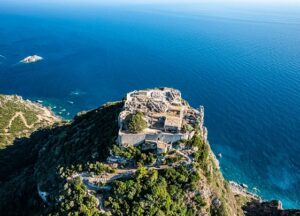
(241, 189)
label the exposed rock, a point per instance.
(216, 202)
(271, 208)
(31, 59)
(241, 189)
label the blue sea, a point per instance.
(241, 62)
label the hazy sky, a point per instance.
(30, 6)
(283, 2)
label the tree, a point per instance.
(141, 172)
(150, 192)
(196, 141)
(74, 200)
(136, 122)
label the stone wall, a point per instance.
(171, 138)
(127, 139)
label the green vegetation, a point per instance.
(136, 122)
(96, 168)
(219, 210)
(187, 128)
(146, 158)
(199, 200)
(75, 146)
(127, 153)
(170, 159)
(54, 154)
(99, 168)
(18, 186)
(196, 141)
(153, 192)
(18, 118)
(134, 153)
(51, 156)
(17, 126)
(75, 201)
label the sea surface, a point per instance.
(242, 63)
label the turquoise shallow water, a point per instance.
(242, 64)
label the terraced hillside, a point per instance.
(19, 118)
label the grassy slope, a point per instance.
(12, 126)
(212, 180)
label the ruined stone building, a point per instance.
(168, 116)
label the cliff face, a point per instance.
(269, 208)
(78, 168)
(19, 118)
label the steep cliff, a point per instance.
(77, 168)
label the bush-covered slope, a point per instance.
(53, 155)
(86, 140)
(35, 162)
(56, 161)
(19, 118)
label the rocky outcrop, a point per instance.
(271, 208)
(31, 59)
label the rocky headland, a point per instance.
(145, 155)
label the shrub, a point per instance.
(99, 168)
(149, 192)
(199, 200)
(196, 141)
(136, 122)
(187, 128)
(75, 201)
(128, 153)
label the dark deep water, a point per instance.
(242, 64)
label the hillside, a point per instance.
(19, 118)
(117, 160)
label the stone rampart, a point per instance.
(125, 139)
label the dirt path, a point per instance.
(19, 114)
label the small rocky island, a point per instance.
(31, 59)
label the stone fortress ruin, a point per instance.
(168, 116)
